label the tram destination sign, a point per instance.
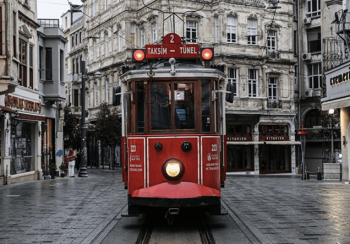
(172, 47)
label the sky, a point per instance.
(53, 9)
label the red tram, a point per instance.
(173, 136)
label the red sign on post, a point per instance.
(172, 47)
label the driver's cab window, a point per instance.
(160, 106)
(184, 106)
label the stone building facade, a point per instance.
(254, 43)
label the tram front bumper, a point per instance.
(183, 194)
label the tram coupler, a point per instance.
(170, 214)
(173, 211)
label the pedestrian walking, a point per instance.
(71, 160)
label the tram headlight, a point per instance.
(173, 169)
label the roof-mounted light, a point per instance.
(138, 55)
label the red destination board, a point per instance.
(172, 47)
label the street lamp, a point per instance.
(83, 150)
(331, 112)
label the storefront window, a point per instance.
(274, 158)
(238, 130)
(240, 157)
(22, 148)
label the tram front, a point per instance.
(173, 136)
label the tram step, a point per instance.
(126, 214)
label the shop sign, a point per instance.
(341, 78)
(11, 101)
(239, 138)
(274, 138)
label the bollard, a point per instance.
(319, 175)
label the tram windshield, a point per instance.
(173, 106)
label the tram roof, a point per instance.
(182, 70)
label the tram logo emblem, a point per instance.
(133, 148)
(214, 147)
(209, 157)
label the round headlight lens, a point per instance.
(173, 169)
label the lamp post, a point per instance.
(83, 150)
(331, 112)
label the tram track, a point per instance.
(204, 235)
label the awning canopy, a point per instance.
(7, 109)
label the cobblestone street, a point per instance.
(84, 210)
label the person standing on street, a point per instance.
(71, 161)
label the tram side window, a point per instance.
(140, 107)
(160, 107)
(184, 106)
(205, 105)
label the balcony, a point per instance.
(274, 104)
(74, 78)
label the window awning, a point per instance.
(6, 109)
(264, 142)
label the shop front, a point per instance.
(274, 149)
(20, 143)
(338, 97)
(268, 149)
(240, 148)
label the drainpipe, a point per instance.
(299, 64)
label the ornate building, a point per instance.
(253, 40)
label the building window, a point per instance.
(77, 65)
(107, 91)
(76, 39)
(41, 53)
(314, 75)
(120, 43)
(313, 8)
(272, 88)
(154, 32)
(70, 96)
(22, 148)
(0, 30)
(14, 40)
(73, 65)
(240, 158)
(191, 31)
(133, 35)
(107, 45)
(81, 37)
(95, 94)
(23, 63)
(253, 82)
(217, 29)
(48, 65)
(314, 40)
(233, 79)
(72, 41)
(61, 65)
(106, 4)
(93, 8)
(75, 98)
(95, 50)
(231, 29)
(31, 79)
(271, 40)
(143, 37)
(295, 10)
(252, 31)
(295, 43)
